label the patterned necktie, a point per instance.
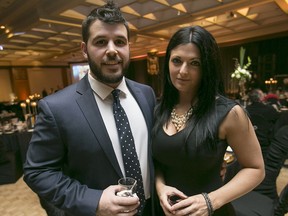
(130, 158)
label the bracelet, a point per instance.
(208, 203)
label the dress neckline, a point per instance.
(171, 135)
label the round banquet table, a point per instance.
(13, 148)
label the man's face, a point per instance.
(107, 51)
(261, 95)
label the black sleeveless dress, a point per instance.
(192, 168)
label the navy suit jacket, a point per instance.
(70, 159)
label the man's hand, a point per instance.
(111, 204)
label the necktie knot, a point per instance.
(116, 93)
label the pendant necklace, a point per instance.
(180, 120)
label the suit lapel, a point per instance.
(89, 107)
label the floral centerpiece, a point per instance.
(241, 73)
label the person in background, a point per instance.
(283, 98)
(74, 159)
(51, 91)
(194, 123)
(263, 117)
(281, 121)
(44, 93)
(272, 99)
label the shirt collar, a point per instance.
(103, 90)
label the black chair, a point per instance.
(263, 129)
(281, 206)
(10, 164)
(275, 159)
(264, 200)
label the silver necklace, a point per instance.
(180, 120)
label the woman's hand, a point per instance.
(194, 205)
(168, 196)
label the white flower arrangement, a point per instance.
(241, 72)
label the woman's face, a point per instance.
(185, 68)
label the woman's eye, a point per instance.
(195, 63)
(176, 61)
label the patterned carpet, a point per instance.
(18, 200)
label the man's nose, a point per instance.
(111, 49)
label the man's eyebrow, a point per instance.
(104, 37)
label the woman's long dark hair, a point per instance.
(211, 81)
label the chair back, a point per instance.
(275, 158)
(263, 129)
(281, 208)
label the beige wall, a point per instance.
(5, 85)
(40, 78)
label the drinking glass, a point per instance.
(128, 185)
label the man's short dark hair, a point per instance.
(109, 13)
(255, 95)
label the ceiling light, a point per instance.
(150, 16)
(20, 41)
(1, 47)
(10, 35)
(73, 14)
(212, 19)
(71, 33)
(31, 36)
(252, 16)
(130, 10)
(76, 41)
(243, 11)
(180, 7)
(18, 33)
(44, 30)
(96, 2)
(57, 39)
(45, 43)
(60, 22)
(164, 2)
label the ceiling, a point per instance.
(48, 32)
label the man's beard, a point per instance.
(108, 79)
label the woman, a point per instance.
(194, 124)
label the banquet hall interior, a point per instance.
(40, 54)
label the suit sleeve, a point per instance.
(43, 169)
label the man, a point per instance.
(263, 118)
(74, 160)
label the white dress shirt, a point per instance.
(104, 99)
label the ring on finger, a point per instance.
(126, 211)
